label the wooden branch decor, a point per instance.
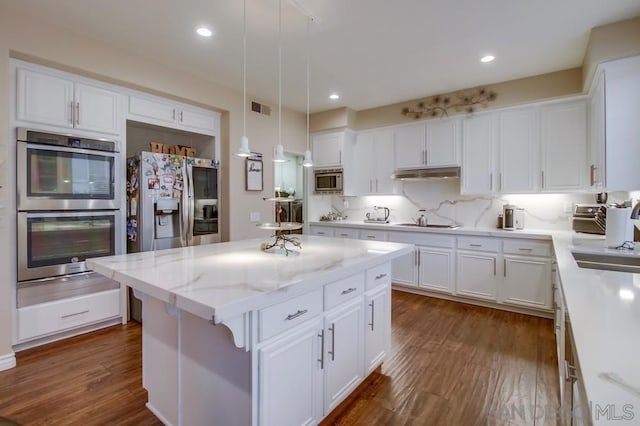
(440, 105)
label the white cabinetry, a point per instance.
(345, 233)
(436, 269)
(527, 274)
(163, 112)
(477, 267)
(377, 299)
(615, 108)
(372, 234)
(291, 377)
(518, 151)
(374, 151)
(563, 146)
(328, 149)
(322, 231)
(57, 99)
(432, 144)
(478, 162)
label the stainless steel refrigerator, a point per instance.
(172, 201)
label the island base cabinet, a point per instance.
(343, 354)
(378, 332)
(290, 370)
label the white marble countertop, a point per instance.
(221, 281)
(543, 234)
(604, 310)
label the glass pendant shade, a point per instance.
(244, 150)
(278, 156)
(308, 162)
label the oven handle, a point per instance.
(46, 147)
(86, 213)
(57, 277)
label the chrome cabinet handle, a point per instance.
(504, 267)
(71, 114)
(181, 112)
(349, 290)
(525, 249)
(500, 181)
(592, 174)
(75, 314)
(490, 181)
(173, 114)
(376, 185)
(542, 178)
(494, 266)
(570, 372)
(371, 237)
(370, 185)
(296, 315)
(77, 113)
(344, 235)
(373, 307)
(321, 360)
(340, 157)
(475, 245)
(424, 156)
(332, 352)
(379, 277)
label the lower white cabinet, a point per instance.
(344, 344)
(291, 377)
(436, 269)
(404, 270)
(346, 233)
(321, 231)
(477, 274)
(377, 326)
(526, 281)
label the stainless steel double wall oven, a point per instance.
(68, 202)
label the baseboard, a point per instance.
(156, 413)
(7, 361)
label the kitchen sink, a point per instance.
(607, 262)
(429, 226)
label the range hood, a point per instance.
(430, 173)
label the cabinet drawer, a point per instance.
(378, 276)
(372, 234)
(345, 233)
(321, 231)
(479, 244)
(60, 315)
(423, 239)
(527, 247)
(343, 290)
(282, 316)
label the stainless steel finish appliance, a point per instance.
(172, 201)
(508, 213)
(428, 173)
(589, 218)
(64, 172)
(57, 243)
(328, 181)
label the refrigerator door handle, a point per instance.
(184, 217)
(190, 206)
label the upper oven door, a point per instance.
(61, 178)
(57, 243)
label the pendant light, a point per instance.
(243, 150)
(308, 162)
(278, 155)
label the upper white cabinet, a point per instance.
(166, 113)
(428, 144)
(617, 119)
(518, 151)
(328, 149)
(563, 141)
(55, 99)
(477, 174)
(374, 165)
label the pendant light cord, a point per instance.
(244, 69)
(308, 55)
(280, 72)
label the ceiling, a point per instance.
(371, 52)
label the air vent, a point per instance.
(260, 108)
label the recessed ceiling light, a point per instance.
(204, 32)
(334, 96)
(487, 58)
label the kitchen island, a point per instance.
(233, 335)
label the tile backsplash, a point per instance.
(444, 205)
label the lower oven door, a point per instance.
(57, 243)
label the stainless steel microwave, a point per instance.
(328, 181)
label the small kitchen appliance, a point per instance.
(518, 217)
(589, 218)
(508, 214)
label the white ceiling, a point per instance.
(372, 52)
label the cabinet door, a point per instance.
(377, 325)
(382, 164)
(409, 146)
(436, 269)
(344, 352)
(477, 155)
(443, 139)
(596, 141)
(44, 99)
(290, 378)
(96, 109)
(197, 119)
(327, 149)
(151, 110)
(346, 233)
(364, 152)
(404, 269)
(517, 157)
(564, 146)
(527, 281)
(477, 275)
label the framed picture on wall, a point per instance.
(253, 171)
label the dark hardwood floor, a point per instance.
(451, 364)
